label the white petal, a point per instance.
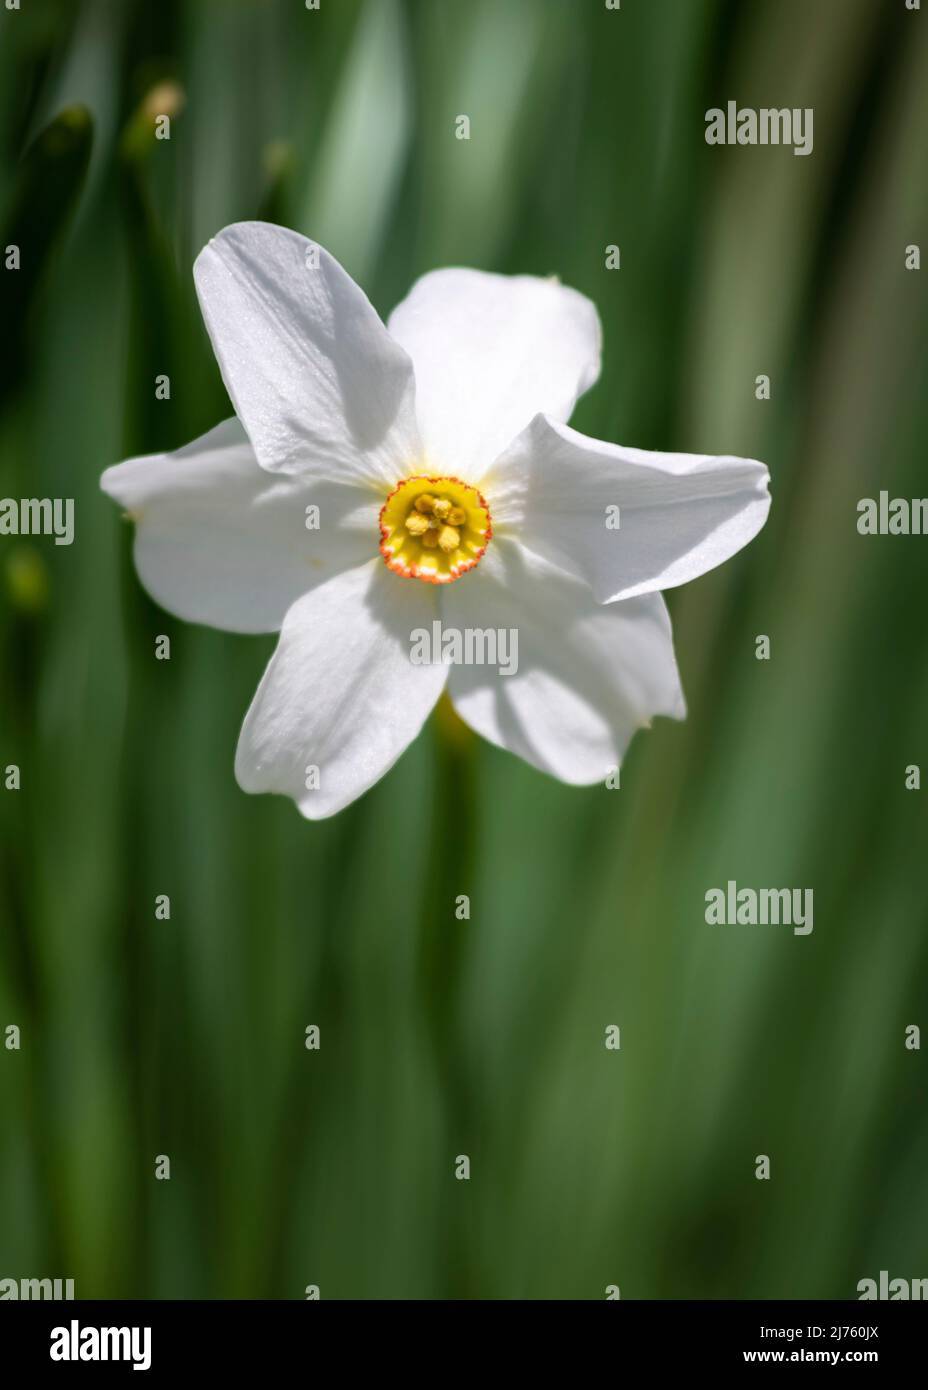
(490, 352)
(588, 676)
(679, 514)
(316, 379)
(340, 692)
(220, 541)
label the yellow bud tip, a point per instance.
(425, 503)
(448, 539)
(164, 99)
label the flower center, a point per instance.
(434, 529)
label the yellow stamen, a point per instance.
(417, 523)
(449, 539)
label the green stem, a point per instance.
(444, 947)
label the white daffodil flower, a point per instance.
(449, 487)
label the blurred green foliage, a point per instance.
(186, 1038)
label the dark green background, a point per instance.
(185, 1037)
